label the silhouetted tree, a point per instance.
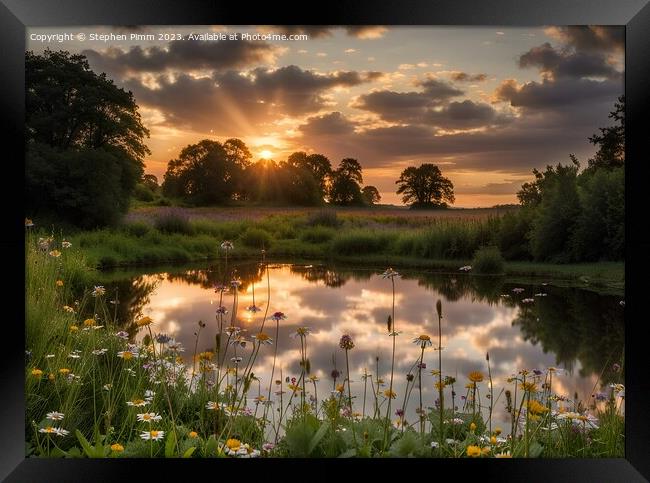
(370, 195)
(345, 186)
(425, 187)
(84, 141)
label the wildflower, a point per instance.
(162, 338)
(390, 394)
(74, 355)
(528, 386)
(434, 444)
(98, 291)
(440, 385)
(122, 335)
(127, 355)
(465, 268)
(296, 388)
(59, 283)
(28, 223)
(67, 308)
(236, 360)
(268, 446)
(517, 290)
(144, 321)
(476, 376)
(340, 388)
(55, 253)
(253, 308)
(100, 352)
(423, 340)
(175, 346)
(53, 430)
(300, 332)
(51, 376)
(107, 387)
(212, 406)
(527, 301)
(399, 413)
(37, 372)
(263, 338)
(493, 440)
(54, 416)
(313, 378)
(152, 435)
(137, 403)
(235, 282)
(278, 316)
(536, 408)
(473, 451)
(239, 341)
(346, 342)
(422, 365)
(66, 244)
(64, 371)
(540, 294)
(117, 447)
(472, 427)
(148, 417)
(227, 245)
(622, 303)
(390, 273)
(335, 374)
(193, 434)
(222, 310)
(149, 394)
(503, 455)
(616, 367)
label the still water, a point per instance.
(541, 326)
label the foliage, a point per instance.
(488, 260)
(425, 187)
(370, 195)
(84, 141)
(173, 221)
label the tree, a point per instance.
(84, 141)
(345, 183)
(425, 187)
(611, 140)
(370, 195)
(317, 164)
(150, 181)
(207, 172)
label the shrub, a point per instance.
(317, 234)
(173, 221)
(256, 238)
(324, 218)
(143, 193)
(137, 228)
(488, 260)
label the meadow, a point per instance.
(95, 390)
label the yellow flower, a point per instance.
(485, 450)
(528, 386)
(503, 455)
(475, 376)
(144, 321)
(233, 444)
(74, 328)
(440, 385)
(51, 376)
(205, 356)
(470, 385)
(340, 387)
(472, 427)
(493, 440)
(55, 253)
(67, 308)
(64, 371)
(179, 360)
(117, 447)
(295, 388)
(193, 434)
(473, 451)
(59, 283)
(37, 372)
(535, 407)
(497, 431)
(390, 394)
(89, 322)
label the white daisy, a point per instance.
(148, 417)
(55, 416)
(152, 435)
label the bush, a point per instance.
(173, 221)
(488, 260)
(137, 228)
(317, 234)
(324, 218)
(143, 193)
(256, 238)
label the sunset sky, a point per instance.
(487, 105)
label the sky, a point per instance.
(485, 104)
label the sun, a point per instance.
(266, 154)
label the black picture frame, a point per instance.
(16, 15)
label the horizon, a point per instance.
(486, 105)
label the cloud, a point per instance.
(229, 101)
(182, 55)
(557, 94)
(563, 63)
(591, 37)
(459, 76)
(324, 31)
(331, 124)
(464, 115)
(366, 31)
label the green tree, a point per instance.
(84, 141)
(207, 172)
(150, 181)
(610, 141)
(317, 164)
(425, 187)
(370, 195)
(345, 183)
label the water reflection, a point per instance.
(571, 328)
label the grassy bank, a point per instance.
(93, 390)
(374, 240)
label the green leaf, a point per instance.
(349, 453)
(88, 449)
(170, 445)
(189, 452)
(535, 449)
(318, 436)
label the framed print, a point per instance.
(406, 234)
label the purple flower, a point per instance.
(277, 316)
(399, 412)
(163, 338)
(616, 367)
(122, 335)
(600, 396)
(222, 310)
(335, 374)
(346, 342)
(537, 372)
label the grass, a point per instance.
(176, 235)
(92, 391)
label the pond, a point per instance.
(533, 326)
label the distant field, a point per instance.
(381, 213)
